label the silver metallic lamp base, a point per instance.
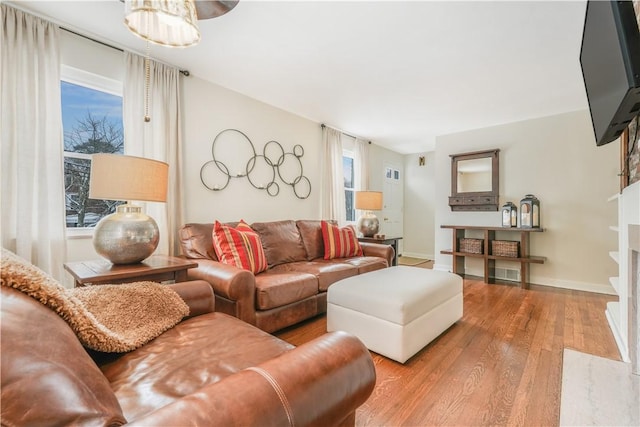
(127, 236)
(368, 224)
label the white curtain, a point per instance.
(361, 166)
(33, 208)
(159, 139)
(361, 162)
(333, 203)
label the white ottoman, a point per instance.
(395, 311)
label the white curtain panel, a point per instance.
(361, 164)
(32, 193)
(159, 139)
(332, 202)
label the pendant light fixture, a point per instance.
(164, 22)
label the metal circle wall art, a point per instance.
(260, 170)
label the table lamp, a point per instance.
(368, 201)
(127, 236)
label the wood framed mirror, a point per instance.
(474, 181)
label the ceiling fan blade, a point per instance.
(207, 9)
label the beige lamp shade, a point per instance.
(118, 177)
(369, 200)
(165, 22)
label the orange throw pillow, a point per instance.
(339, 242)
(239, 246)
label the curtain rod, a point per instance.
(322, 125)
(185, 73)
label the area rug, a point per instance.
(597, 392)
(410, 261)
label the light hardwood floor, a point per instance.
(501, 364)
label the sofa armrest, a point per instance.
(379, 250)
(198, 295)
(232, 283)
(320, 383)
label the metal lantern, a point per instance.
(530, 212)
(509, 215)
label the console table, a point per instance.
(459, 232)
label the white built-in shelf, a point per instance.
(614, 197)
(615, 255)
(614, 228)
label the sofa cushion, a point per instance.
(281, 241)
(326, 271)
(365, 264)
(199, 351)
(339, 242)
(275, 288)
(311, 233)
(196, 241)
(239, 246)
(47, 376)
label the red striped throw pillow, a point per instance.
(239, 246)
(339, 242)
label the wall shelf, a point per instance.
(524, 258)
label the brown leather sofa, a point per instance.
(294, 288)
(209, 370)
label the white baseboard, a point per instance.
(417, 255)
(442, 267)
(598, 288)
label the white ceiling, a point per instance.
(397, 73)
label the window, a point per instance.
(349, 183)
(92, 123)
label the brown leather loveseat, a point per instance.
(294, 287)
(208, 370)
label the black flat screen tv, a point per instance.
(610, 62)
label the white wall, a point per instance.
(209, 109)
(419, 206)
(78, 52)
(556, 159)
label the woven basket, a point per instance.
(471, 246)
(505, 248)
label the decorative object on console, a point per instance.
(339, 242)
(530, 212)
(169, 23)
(260, 169)
(509, 215)
(239, 246)
(508, 248)
(127, 236)
(471, 246)
(368, 201)
(474, 181)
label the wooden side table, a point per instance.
(392, 241)
(156, 268)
